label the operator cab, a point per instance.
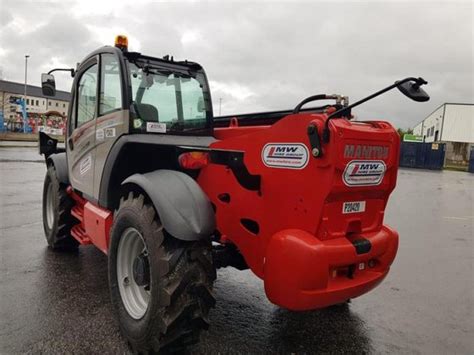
(119, 95)
(161, 95)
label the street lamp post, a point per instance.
(24, 97)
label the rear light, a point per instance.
(194, 160)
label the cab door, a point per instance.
(81, 138)
(113, 118)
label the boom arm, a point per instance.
(412, 90)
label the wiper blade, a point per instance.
(148, 68)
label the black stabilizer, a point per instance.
(48, 145)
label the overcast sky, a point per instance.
(263, 56)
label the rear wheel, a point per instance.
(160, 286)
(57, 218)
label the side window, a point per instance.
(87, 96)
(71, 120)
(193, 100)
(110, 84)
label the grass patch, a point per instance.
(456, 168)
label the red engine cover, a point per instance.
(309, 210)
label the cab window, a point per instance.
(177, 99)
(71, 120)
(87, 96)
(110, 84)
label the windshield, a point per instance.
(169, 101)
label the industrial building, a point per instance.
(37, 105)
(452, 124)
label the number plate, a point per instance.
(353, 207)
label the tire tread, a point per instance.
(59, 237)
(185, 297)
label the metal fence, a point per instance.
(471, 160)
(422, 155)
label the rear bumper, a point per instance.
(302, 272)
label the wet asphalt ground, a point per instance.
(59, 303)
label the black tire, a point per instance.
(57, 221)
(181, 275)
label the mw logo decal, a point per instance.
(352, 151)
(285, 155)
(364, 173)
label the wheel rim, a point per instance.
(135, 298)
(49, 207)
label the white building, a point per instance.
(452, 124)
(36, 102)
(448, 123)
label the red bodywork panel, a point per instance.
(94, 223)
(304, 240)
(304, 246)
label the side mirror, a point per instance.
(410, 87)
(48, 85)
(414, 91)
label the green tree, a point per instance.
(402, 132)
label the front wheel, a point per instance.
(160, 286)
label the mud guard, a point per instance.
(60, 164)
(182, 206)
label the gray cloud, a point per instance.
(5, 17)
(267, 56)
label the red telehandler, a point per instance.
(170, 193)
